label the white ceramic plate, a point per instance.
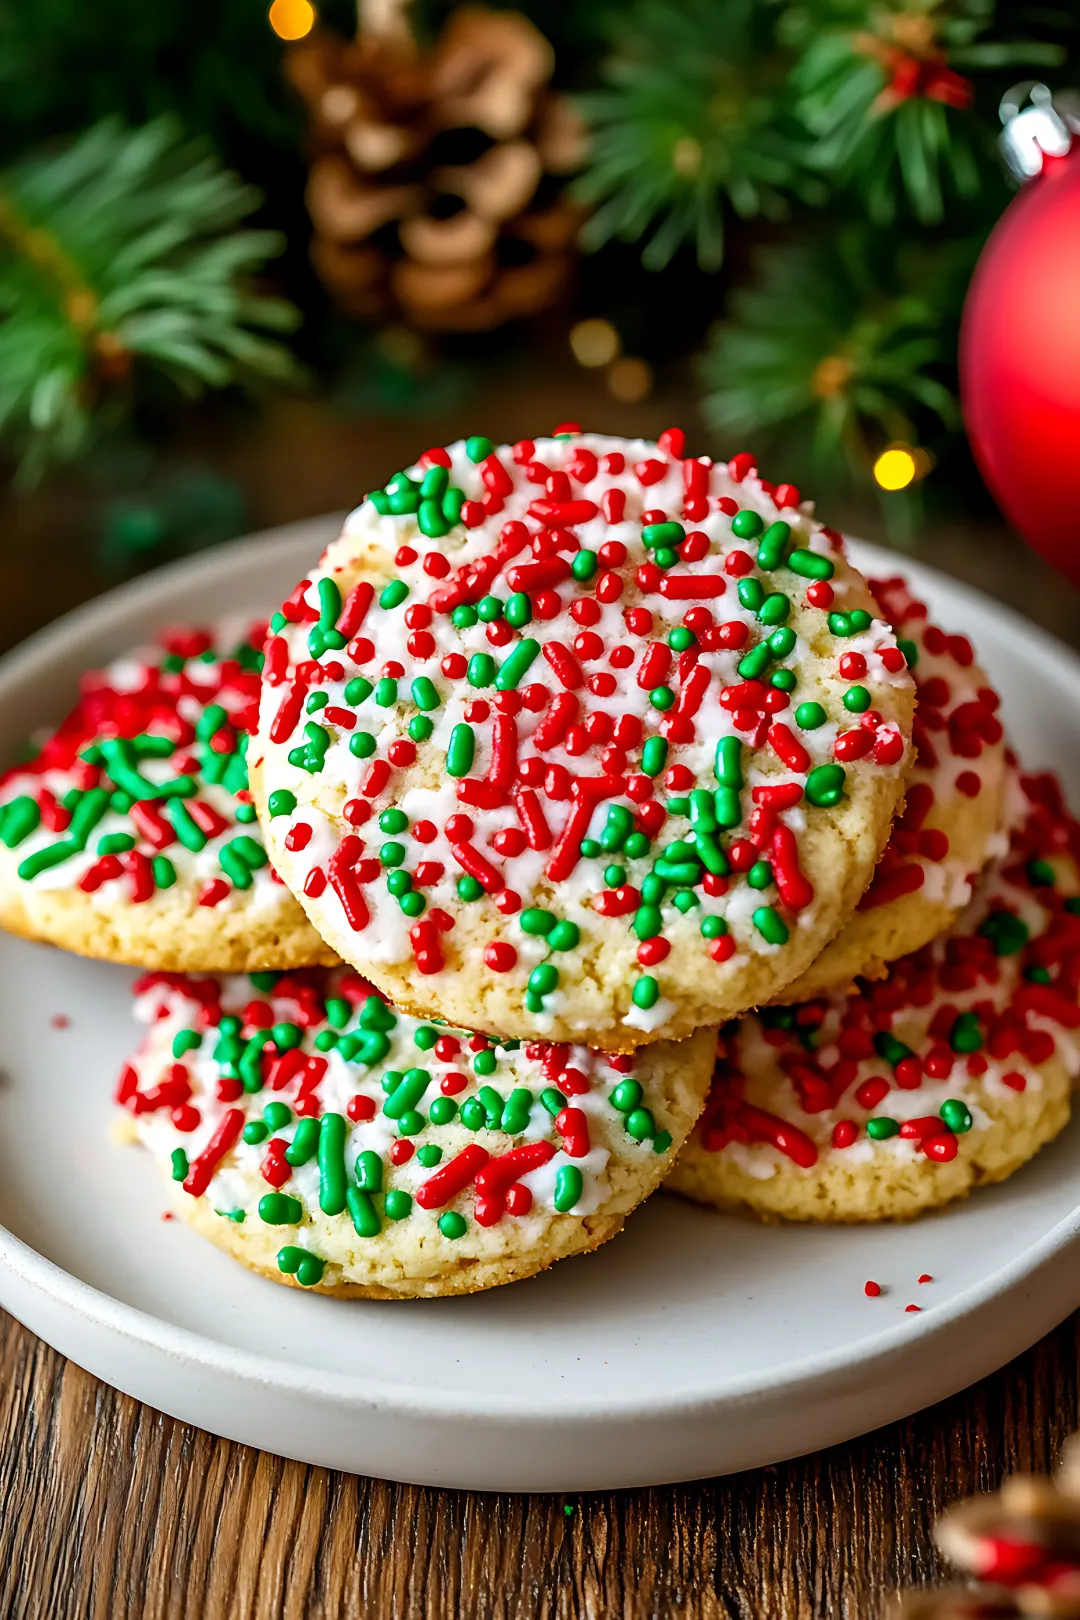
(692, 1345)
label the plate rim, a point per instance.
(97, 1308)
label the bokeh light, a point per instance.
(292, 19)
(896, 467)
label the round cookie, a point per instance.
(328, 1141)
(950, 1072)
(951, 824)
(554, 741)
(131, 836)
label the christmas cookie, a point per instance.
(130, 834)
(329, 1141)
(950, 1072)
(952, 819)
(556, 739)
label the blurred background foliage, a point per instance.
(766, 212)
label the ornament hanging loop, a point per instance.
(1037, 125)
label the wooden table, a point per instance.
(108, 1509)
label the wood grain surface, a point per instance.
(110, 1510)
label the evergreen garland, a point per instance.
(120, 261)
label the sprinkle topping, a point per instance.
(619, 669)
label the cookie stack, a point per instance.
(565, 757)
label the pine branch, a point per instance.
(120, 261)
(837, 348)
(882, 87)
(691, 124)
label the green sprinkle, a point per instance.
(543, 979)
(1040, 874)
(569, 1187)
(478, 448)
(662, 1141)
(626, 1096)
(386, 693)
(332, 1164)
(304, 1144)
(565, 936)
(747, 524)
(392, 853)
(1007, 934)
(481, 669)
(825, 784)
(713, 927)
(431, 520)
(459, 755)
(755, 662)
(881, 1127)
(186, 1040)
(781, 643)
(553, 1100)
(442, 1110)
(392, 820)
(164, 872)
(362, 1212)
(662, 534)
(681, 638)
(405, 1096)
(839, 624)
(516, 1113)
(306, 1267)
(654, 755)
(44, 859)
(646, 992)
(469, 888)
(516, 663)
(424, 692)
(584, 565)
(647, 922)
(18, 820)
(179, 1160)
(281, 802)
(640, 1125)
(893, 1051)
(277, 1115)
(452, 502)
(535, 921)
(485, 1062)
(773, 544)
(362, 744)
(420, 728)
(254, 1132)
(357, 690)
(771, 926)
(910, 651)
(774, 610)
(966, 1033)
(662, 698)
(463, 617)
(278, 1209)
(473, 1116)
(636, 846)
(617, 828)
(751, 594)
(452, 1225)
(685, 900)
(369, 1171)
(810, 564)
(808, 716)
(398, 1205)
(957, 1115)
(435, 482)
(518, 610)
(590, 848)
(760, 875)
(856, 699)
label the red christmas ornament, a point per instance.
(1020, 344)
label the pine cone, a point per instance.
(433, 189)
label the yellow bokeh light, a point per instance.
(630, 380)
(594, 342)
(896, 467)
(292, 19)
